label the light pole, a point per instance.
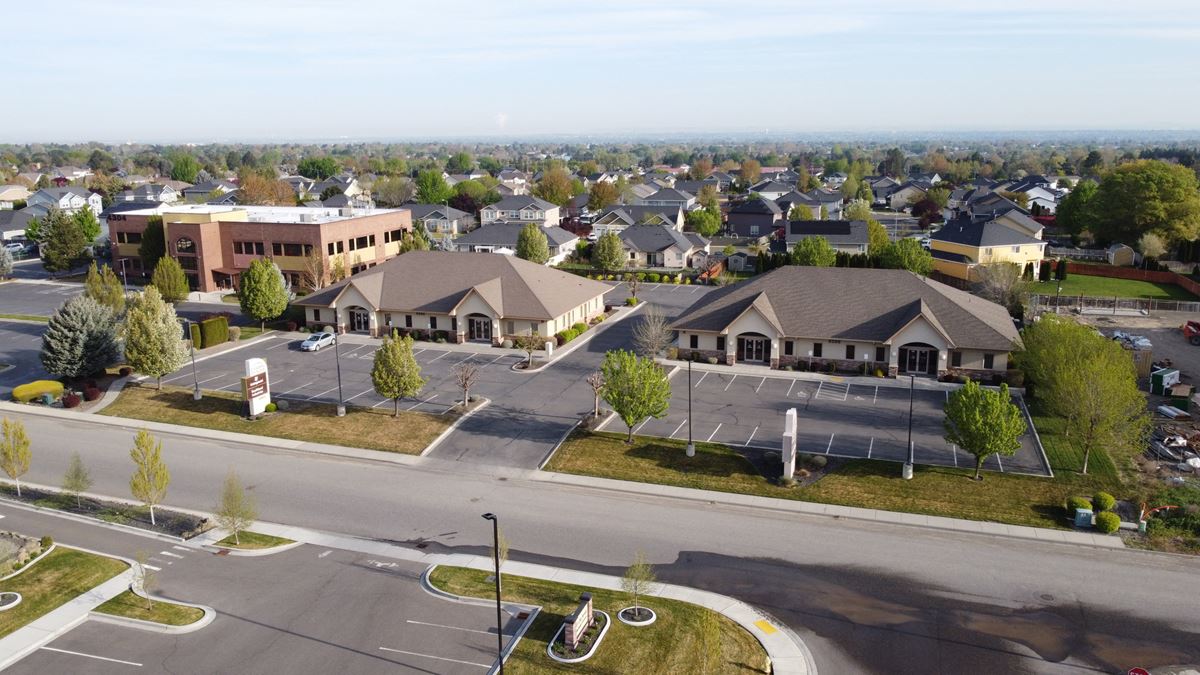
(691, 446)
(496, 558)
(1057, 296)
(907, 471)
(337, 360)
(125, 279)
(187, 328)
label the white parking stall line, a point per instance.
(469, 357)
(231, 386)
(368, 355)
(760, 384)
(818, 393)
(321, 394)
(876, 396)
(827, 447)
(91, 656)
(151, 567)
(420, 402)
(638, 427)
(418, 352)
(493, 360)
(714, 433)
(678, 428)
(947, 396)
(870, 447)
(700, 380)
(748, 440)
(730, 382)
(1000, 464)
(789, 391)
(295, 388)
(359, 394)
(284, 343)
(212, 378)
(439, 625)
(439, 356)
(954, 453)
(386, 400)
(438, 658)
(169, 554)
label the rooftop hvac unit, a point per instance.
(346, 211)
(306, 218)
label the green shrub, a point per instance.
(1103, 501)
(818, 461)
(653, 277)
(271, 407)
(630, 302)
(194, 332)
(712, 360)
(640, 276)
(878, 372)
(1108, 522)
(1075, 503)
(214, 331)
(579, 327)
(281, 404)
(24, 393)
(687, 281)
(47, 542)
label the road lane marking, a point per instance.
(870, 447)
(439, 625)
(760, 384)
(91, 656)
(751, 437)
(181, 548)
(730, 383)
(324, 553)
(789, 391)
(714, 433)
(700, 380)
(818, 392)
(170, 555)
(151, 567)
(830, 443)
(678, 428)
(439, 658)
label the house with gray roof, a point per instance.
(67, 199)
(203, 189)
(755, 217)
(149, 192)
(502, 238)
(964, 244)
(845, 236)
(463, 296)
(670, 197)
(441, 219)
(661, 246)
(521, 209)
(772, 189)
(617, 218)
(850, 319)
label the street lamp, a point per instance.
(187, 328)
(337, 360)
(1057, 296)
(907, 471)
(496, 558)
(124, 279)
(691, 446)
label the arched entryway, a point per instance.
(358, 320)
(479, 328)
(753, 348)
(917, 358)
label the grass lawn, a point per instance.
(370, 428)
(26, 317)
(686, 638)
(937, 491)
(52, 582)
(251, 331)
(254, 540)
(133, 606)
(1107, 287)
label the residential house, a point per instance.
(849, 319)
(639, 191)
(14, 223)
(462, 296)
(497, 237)
(755, 217)
(617, 218)
(149, 192)
(694, 187)
(441, 219)
(724, 180)
(835, 180)
(515, 180)
(907, 193)
(30, 177)
(67, 199)
(830, 200)
(670, 197)
(62, 176)
(881, 187)
(521, 209)
(962, 245)
(201, 191)
(661, 246)
(770, 189)
(10, 194)
(845, 236)
(930, 178)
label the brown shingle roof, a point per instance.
(871, 305)
(437, 281)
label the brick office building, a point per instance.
(214, 244)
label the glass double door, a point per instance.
(479, 328)
(917, 360)
(754, 349)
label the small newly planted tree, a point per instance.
(635, 387)
(528, 343)
(396, 373)
(639, 580)
(596, 382)
(150, 477)
(465, 376)
(236, 511)
(652, 335)
(77, 479)
(15, 455)
(144, 577)
(983, 422)
(634, 282)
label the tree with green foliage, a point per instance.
(703, 222)
(907, 254)
(814, 252)
(532, 244)
(77, 479)
(15, 455)
(263, 293)
(1076, 212)
(393, 191)
(639, 580)
(153, 339)
(236, 510)
(1148, 196)
(184, 167)
(85, 219)
(460, 162)
(432, 188)
(318, 168)
(603, 195)
(1151, 246)
(150, 476)
(608, 254)
(170, 280)
(708, 199)
(877, 237)
(939, 196)
(103, 286)
(555, 187)
(63, 242)
(983, 422)
(865, 192)
(80, 339)
(636, 388)
(395, 372)
(858, 209)
(154, 243)
(6, 263)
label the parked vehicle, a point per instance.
(1191, 331)
(15, 248)
(315, 341)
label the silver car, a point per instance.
(315, 341)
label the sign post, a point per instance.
(256, 387)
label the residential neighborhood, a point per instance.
(305, 372)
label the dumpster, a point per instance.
(1163, 379)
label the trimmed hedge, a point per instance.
(579, 326)
(197, 341)
(1104, 501)
(1108, 522)
(1075, 503)
(214, 331)
(565, 336)
(630, 302)
(24, 393)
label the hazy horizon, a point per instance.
(311, 71)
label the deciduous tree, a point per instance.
(153, 342)
(236, 510)
(77, 478)
(814, 252)
(1076, 214)
(596, 382)
(602, 195)
(466, 374)
(103, 286)
(396, 373)
(393, 191)
(635, 387)
(652, 334)
(318, 168)
(256, 189)
(80, 339)
(703, 222)
(608, 254)
(170, 280)
(907, 254)
(639, 580)
(432, 188)
(63, 242)
(150, 476)
(1148, 196)
(1001, 283)
(15, 454)
(983, 422)
(555, 186)
(532, 244)
(6, 263)
(263, 293)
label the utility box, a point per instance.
(1083, 517)
(1162, 380)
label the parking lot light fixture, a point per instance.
(907, 471)
(499, 620)
(691, 446)
(187, 328)
(337, 360)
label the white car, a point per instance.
(315, 341)
(14, 248)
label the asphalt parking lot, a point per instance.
(836, 418)
(40, 299)
(20, 343)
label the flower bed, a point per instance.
(557, 649)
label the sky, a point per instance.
(295, 70)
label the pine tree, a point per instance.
(154, 244)
(153, 342)
(532, 244)
(396, 373)
(170, 280)
(80, 339)
(77, 479)
(263, 293)
(150, 478)
(237, 510)
(104, 287)
(14, 450)
(64, 241)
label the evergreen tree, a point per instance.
(150, 478)
(104, 287)
(263, 293)
(608, 254)
(532, 244)
(396, 373)
(170, 280)
(80, 339)
(6, 263)
(64, 242)
(153, 342)
(154, 243)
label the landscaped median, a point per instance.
(253, 541)
(302, 421)
(52, 581)
(686, 638)
(133, 606)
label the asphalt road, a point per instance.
(43, 299)
(865, 596)
(306, 610)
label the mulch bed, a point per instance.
(166, 521)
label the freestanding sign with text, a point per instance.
(256, 387)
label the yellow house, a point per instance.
(960, 247)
